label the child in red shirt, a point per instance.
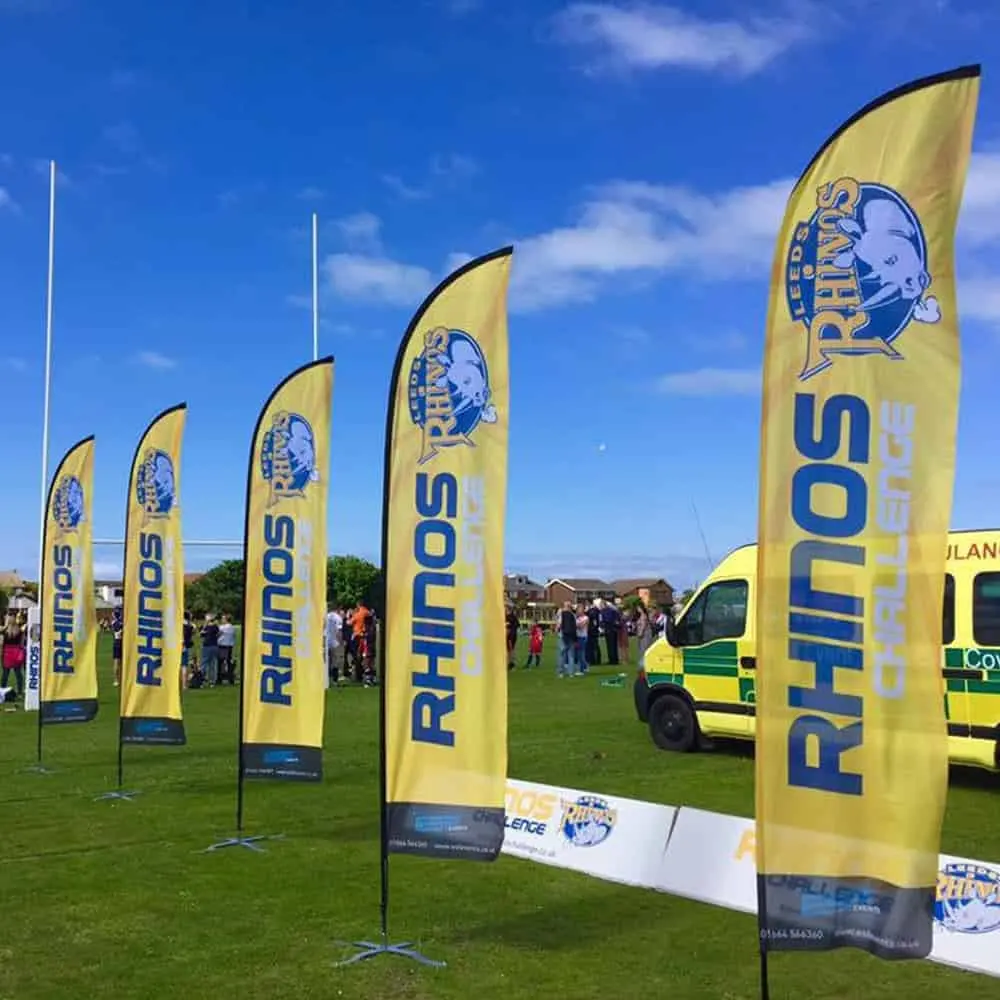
(535, 646)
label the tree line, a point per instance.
(349, 580)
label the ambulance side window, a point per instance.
(986, 609)
(948, 616)
(719, 612)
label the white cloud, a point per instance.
(7, 203)
(444, 170)
(455, 260)
(236, 195)
(399, 187)
(712, 382)
(453, 166)
(636, 228)
(980, 220)
(153, 359)
(655, 36)
(979, 298)
(361, 232)
(630, 230)
(376, 279)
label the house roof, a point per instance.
(513, 581)
(581, 584)
(623, 587)
(191, 577)
(109, 583)
(10, 579)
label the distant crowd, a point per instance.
(207, 653)
(581, 630)
(351, 636)
(586, 636)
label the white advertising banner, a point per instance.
(33, 661)
(619, 840)
(711, 858)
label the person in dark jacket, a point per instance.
(567, 641)
(611, 621)
(187, 650)
(593, 636)
(210, 650)
(512, 625)
(117, 630)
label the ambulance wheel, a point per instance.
(672, 724)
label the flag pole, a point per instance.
(46, 406)
(315, 285)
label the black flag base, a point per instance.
(250, 843)
(118, 794)
(369, 949)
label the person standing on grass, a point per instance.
(359, 624)
(582, 625)
(624, 627)
(187, 650)
(210, 651)
(567, 640)
(611, 623)
(535, 642)
(227, 642)
(12, 657)
(512, 625)
(644, 632)
(116, 642)
(334, 634)
(593, 636)
(368, 657)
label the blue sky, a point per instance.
(638, 156)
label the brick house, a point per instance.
(520, 588)
(649, 591)
(577, 591)
(528, 597)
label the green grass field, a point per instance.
(104, 899)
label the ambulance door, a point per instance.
(984, 661)
(956, 636)
(708, 639)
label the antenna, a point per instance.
(704, 540)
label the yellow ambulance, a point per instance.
(700, 682)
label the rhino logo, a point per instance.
(68, 504)
(449, 390)
(155, 488)
(968, 898)
(857, 274)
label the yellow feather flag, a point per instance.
(69, 624)
(861, 385)
(283, 677)
(153, 592)
(445, 674)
